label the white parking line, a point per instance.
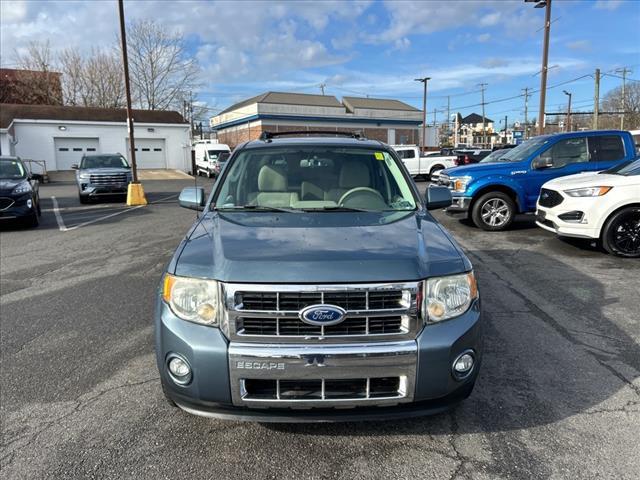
(63, 228)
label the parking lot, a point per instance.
(558, 395)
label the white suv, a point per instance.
(604, 206)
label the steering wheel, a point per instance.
(363, 197)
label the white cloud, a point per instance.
(579, 45)
(607, 4)
(13, 10)
(484, 37)
(490, 19)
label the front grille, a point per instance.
(296, 301)
(295, 327)
(116, 178)
(323, 389)
(5, 203)
(550, 198)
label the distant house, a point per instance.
(62, 135)
(30, 87)
(470, 130)
(390, 121)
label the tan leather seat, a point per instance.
(272, 186)
(352, 175)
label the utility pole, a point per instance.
(624, 72)
(546, 4)
(505, 129)
(526, 112)
(448, 115)
(135, 192)
(568, 126)
(596, 99)
(435, 114)
(424, 81)
(484, 121)
(322, 85)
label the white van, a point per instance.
(210, 156)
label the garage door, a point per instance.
(70, 150)
(149, 153)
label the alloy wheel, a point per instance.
(495, 212)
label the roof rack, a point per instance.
(267, 136)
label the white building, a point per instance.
(60, 135)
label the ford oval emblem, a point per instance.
(322, 315)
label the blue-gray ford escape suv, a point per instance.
(316, 286)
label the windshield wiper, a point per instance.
(260, 208)
(337, 208)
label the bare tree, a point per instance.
(72, 66)
(103, 80)
(162, 72)
(37, 81)
(612, 102)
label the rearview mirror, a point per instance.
(541, 162)
(438, 197)
(75, 166)
(192, 197)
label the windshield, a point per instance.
(12, 169)
(494, 156)
(104, 161)
(223, 157)
(627, 168)
(315, 178)
(523, 150)
(216, 154)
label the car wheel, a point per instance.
(168, 399)
(494, 211)
(83, 198)
(208, 173)
(39, 210)
(621, 233)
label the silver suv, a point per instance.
(103, 174)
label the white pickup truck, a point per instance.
(428, 165)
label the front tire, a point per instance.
(83, 199)
(493, 211)
(621, 233)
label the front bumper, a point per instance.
(19, 208)
(549, 219)
(216, 389)
(459, 207)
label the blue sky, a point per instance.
(365, 48)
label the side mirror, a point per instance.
(75, 166)
(438, 197)
(540, 163)
(192, 197)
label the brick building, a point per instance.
(390, 121)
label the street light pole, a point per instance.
(484, 122)
(424, 81)
(568, 127)
(546, 4)
(135, 192)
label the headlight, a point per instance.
(23, 187)
(459, 184)
(588, 192)
(448, 297)
(192, 299)
(84, 176)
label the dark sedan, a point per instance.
(19, 198)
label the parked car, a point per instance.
(467, 157)
(491, 194)
(427, 165)
(102, 174)
(603, 206)
(19, 192)
(316, 286)
(208, 157)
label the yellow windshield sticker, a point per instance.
(379, 156)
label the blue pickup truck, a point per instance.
(491, 194)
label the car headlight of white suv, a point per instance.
(588, 191)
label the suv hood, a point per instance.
(317, 248)
(104, 171)
(479, 169)
(585, 179)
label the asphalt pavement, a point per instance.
(558, 395)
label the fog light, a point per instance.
(29, 203)
(463, 365)
(180, 370)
